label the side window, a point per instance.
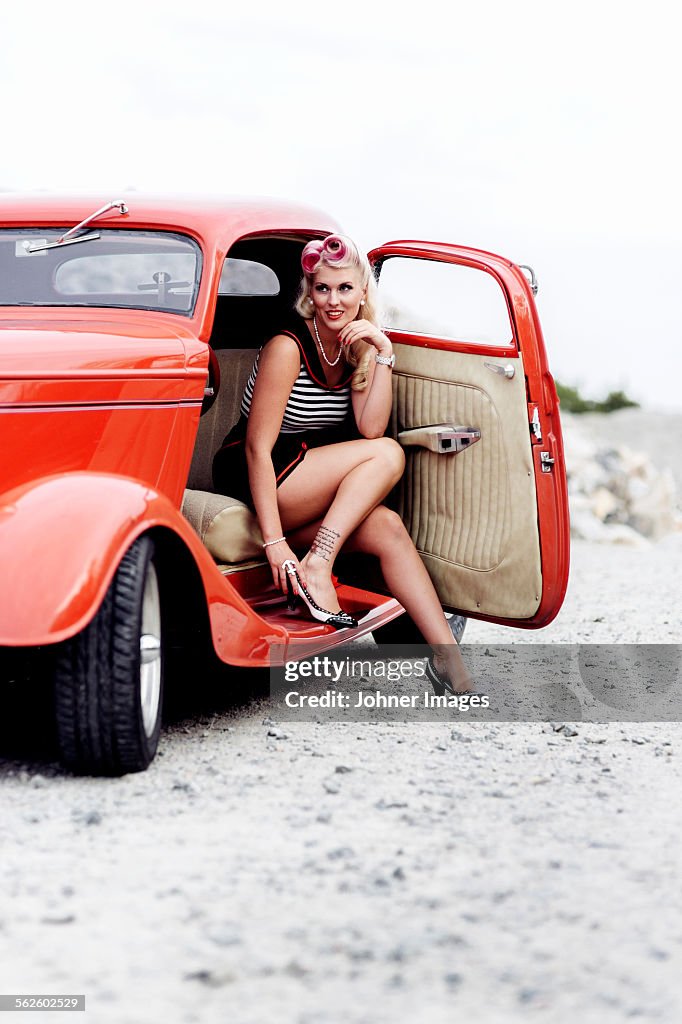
(246, 277)
(443, 300)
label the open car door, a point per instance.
(475, 407)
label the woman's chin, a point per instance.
(335, 325)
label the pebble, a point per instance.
(461, 737)
(224, 935)
(212, 979)
(453, 979)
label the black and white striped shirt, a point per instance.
(312, 404)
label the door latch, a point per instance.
(546, 462)
(535, 428)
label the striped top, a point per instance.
(312, 404)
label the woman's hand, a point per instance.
(276, 555)
(363, 330)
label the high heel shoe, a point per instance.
(340, 620)
(441, 683)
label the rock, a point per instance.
(453, 980)
(224, 935)
(212, 979)
(341, 853)
(461, 737)
(88, 817)
(603, 503)
(617, 495)
(652, 513)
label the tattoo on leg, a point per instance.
(324, 542)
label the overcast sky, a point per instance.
(548, 136)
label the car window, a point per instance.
(246, 277)
(443, 300)
(157, 270)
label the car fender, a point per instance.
(61, 541)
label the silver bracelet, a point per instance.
(269, 542)
(385, 360)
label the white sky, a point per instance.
(549, 136)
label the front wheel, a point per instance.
(109, 678)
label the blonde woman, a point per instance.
(309, 453)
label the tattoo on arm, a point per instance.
(324, 543)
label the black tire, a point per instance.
(403, 630)
(108, 695)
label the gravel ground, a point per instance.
(353, 872)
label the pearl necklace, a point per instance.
(324, 354)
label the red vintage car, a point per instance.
(127, 331)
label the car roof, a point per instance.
(217, 218)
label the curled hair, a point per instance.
(340, 251)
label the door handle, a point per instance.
(507, 371)
(443, 438)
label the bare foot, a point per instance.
(317, 575)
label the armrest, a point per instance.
(444, 438)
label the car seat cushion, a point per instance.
(228, 528)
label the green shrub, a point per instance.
(572, 401)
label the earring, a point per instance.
(362, 302)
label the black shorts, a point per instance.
(230, 469)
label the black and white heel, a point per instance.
(340, 620)
(441, 683)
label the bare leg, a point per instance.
(336, 492)
(383, 534)
(339, 485)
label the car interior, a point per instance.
(482, 550)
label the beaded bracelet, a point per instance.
(269, 542)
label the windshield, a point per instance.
(155, 270)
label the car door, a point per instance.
(475, 407)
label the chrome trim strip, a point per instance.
(24, 407)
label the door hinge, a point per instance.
(546, 462)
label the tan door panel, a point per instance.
(473, 515)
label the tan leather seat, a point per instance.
(228, 528)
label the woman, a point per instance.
(310, 456)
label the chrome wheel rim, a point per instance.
(150, 652)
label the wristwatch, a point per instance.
(386, 360)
